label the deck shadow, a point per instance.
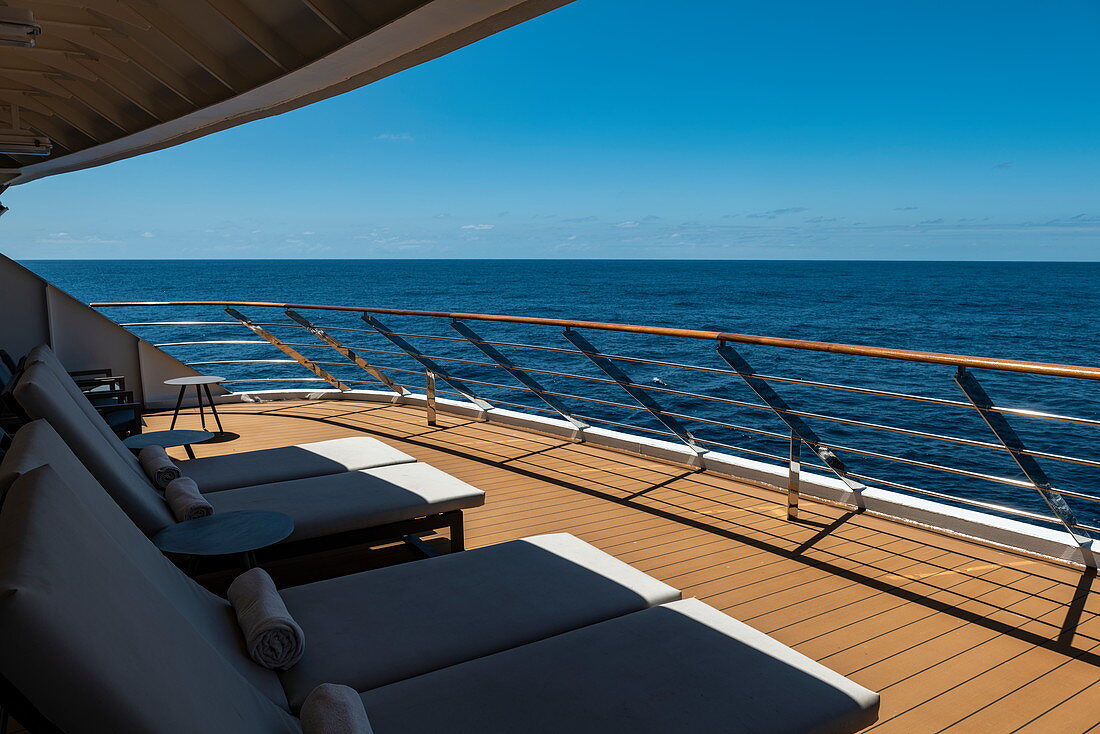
(1063, 644)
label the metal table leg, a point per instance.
(202, 413)
(210, 402)
(176, 412)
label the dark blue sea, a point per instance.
(1033, 311)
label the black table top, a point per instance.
(226, 533)
(167, 439)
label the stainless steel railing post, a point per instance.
(427, 363)
(794, 466)
(796, 425)
(429, 393)
(521, 376)
(346, 352)
(287, 350)
(1006, 434)
(636, 391)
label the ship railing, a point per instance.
(797, 429)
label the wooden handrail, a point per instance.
(906, 355)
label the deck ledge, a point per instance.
(971, 525)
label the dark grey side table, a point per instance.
(167, 439)
(226, 534)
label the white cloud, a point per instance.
(477, 226)
(64, 238)
(394, 136)
(147, 234)
(627, 225)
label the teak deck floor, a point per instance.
(954, 635)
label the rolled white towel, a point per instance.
(186, 501)
(334, 709)
(158, 466)
(272, 637)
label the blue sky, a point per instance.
(643, 129)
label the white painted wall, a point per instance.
(33, 312)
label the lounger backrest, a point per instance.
(46, 356)
(92, 644)
(41, 396)
(37, 444)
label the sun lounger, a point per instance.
(678, 667)
(383, 503)
(331, 497)
(95, 641)
(119, 640)
(106, 394)
(423, 616)
(43, 397)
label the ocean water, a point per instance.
(1046, 312)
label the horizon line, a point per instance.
(546, 259)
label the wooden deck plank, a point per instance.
(955, 635)
(1069, 716)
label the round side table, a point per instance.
(202, 385)
(226, 534)
(167, 439)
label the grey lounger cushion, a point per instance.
(46, 391)
(352, 500)
(36, 444)
(94, 645)
(217, 473)
(319, 505)
(680, 667)
(385, 625)
(42, 395)
(103, 635)
(44, 355)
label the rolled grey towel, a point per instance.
(334, 709)
(272, 637)
(158, 466)
(186, 501)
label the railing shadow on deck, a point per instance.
(1063, 639)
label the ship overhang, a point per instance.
(110, 80)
